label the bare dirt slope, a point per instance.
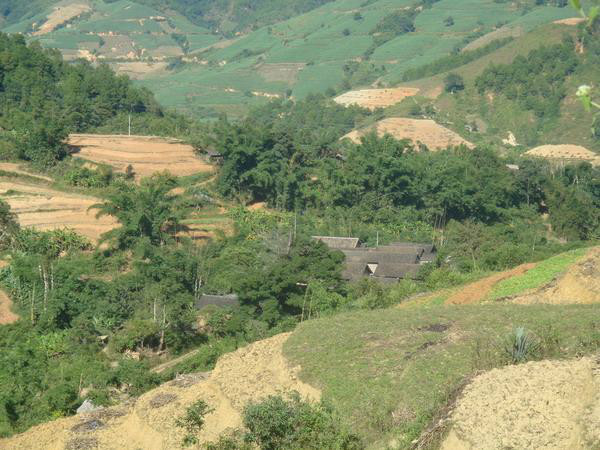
(6, 314)
(146, 154)
(47, 209)
(572, 21)
(580, 284)
(478, 291)
(148, 423)
(535, 406)
(427, 132)
(565, 153)
(376, 98)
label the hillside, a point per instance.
(301, 55)
(401, 378)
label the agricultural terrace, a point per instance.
(565, 153)
(426, 132)
(147, 155)
(47, 209)
(376, 98)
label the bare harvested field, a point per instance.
(61, 15)
(565, 152)
(146, 155)
(376, 98)
(47, 209)
(139, 70)
(570, 21)
(426, 132)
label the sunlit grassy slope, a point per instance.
(391, 372)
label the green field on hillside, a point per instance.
(391, 372)
(325, 40)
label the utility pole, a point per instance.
(129, 124)
(377, 244)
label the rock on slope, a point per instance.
(148, 422)
(535, 406)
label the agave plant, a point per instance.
(521, 345)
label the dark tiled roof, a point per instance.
(388, 263)
(217, 300)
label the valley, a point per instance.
(299, 225)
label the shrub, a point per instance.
(193, 421)
(278, 423)
(454, 83)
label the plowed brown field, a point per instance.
(145, 154)
(376, 98)
(47, 209)
(427, 132)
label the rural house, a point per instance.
(388, 263)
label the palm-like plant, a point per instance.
(145, 211)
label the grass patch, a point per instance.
(390, 372)
(542, 274)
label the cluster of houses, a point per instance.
(386, 264)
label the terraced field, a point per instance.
(426, 132)
(41, 207)
(146, 154)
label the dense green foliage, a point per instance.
(536, 82)
(269, 158)
(43, 99)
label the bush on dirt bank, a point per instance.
(289, 423)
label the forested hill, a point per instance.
(43, 99)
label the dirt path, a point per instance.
(148, 423)
(535, 406)
(479, 290)
(162, 367)
(580, 284)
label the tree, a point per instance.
(449, 21)
(146, 211)
(453, 83)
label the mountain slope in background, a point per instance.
(190, 66)
(203, 57)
